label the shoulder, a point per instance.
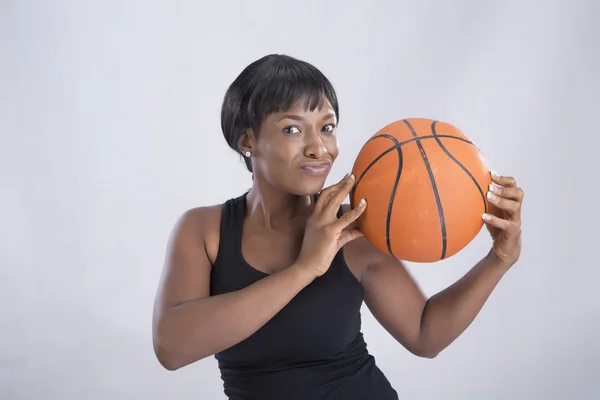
(200, 225)
(200, 219)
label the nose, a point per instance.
(315, 148)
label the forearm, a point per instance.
(200, 328)
(448, 313)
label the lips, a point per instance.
(316, 168)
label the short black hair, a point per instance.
(270, 84)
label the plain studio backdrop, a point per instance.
(109, 123)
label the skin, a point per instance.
(293, 239)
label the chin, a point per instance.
(307, 186)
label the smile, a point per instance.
(316, 168)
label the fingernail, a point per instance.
(491, 196)
(493, 187)
(362, 202)
(495, 174)
(486, 217)
(351, 177)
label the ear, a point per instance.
(247, 141)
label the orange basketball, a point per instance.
(425, 184)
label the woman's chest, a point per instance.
(270, 253)
(317, 323)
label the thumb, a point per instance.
(348, 235)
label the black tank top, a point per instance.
(312, 349)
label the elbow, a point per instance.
(167, 358)
(173, 357)
(169, 354)
(424, 350)
(168, 365)
(166, 349)
(428, 354)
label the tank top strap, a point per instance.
(232, 214)
(238, 212)
(232, 220)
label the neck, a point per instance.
(270, 206)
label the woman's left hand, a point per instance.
(503, 219)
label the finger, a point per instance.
(349, 235)
(348, 218)
(507, 181)
(336, 198)
(325, 194)
(500, 223)
(512, 193)
(503, 203)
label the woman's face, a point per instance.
(295, 149)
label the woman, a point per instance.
(272, 282)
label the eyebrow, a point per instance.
(299, 118)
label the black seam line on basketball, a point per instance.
(435, 190)
(388, 220)
(400, 144)
(397, 146)
(433, 124)
(414, 139)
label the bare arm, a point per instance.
(425, 326)
(448, 313)
(188, 325)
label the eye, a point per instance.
(291, 130)
(329, 128)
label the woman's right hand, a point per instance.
(325, 234)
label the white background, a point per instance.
(109, 124)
